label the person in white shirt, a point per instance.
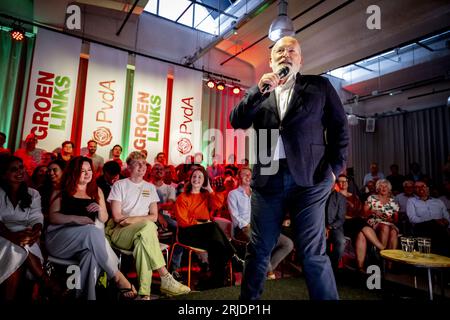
(21, 223)
(239, 207)
(374, 174)
(132, 227)
(430, 218)
(402, 200)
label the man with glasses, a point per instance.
(430, 218)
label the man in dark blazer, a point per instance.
(295, 170)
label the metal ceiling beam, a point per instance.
(212, 8)
(187, 8)
(127, 17)
(360, 66)
(202, 51)
(424, 46)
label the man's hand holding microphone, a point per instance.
(269, 81)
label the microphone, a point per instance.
(283, 72)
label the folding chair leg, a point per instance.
(189, 268)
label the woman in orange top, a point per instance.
(195, 228)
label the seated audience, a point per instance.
(97, 160)
(21, 223)
(170, 176)
(430, 219)
(373, 175)
(355, 225)
(38, 177)
(2, 144)
(368, 190)
(76, 229)
(382, 211)
(402, 199)
(195, 228)
(30, 155)
(133, 227)
(51, 184)
(239, 206)
(216, 169)
(161, 158)
(111, 174)
(336, 207)
(396, 180)
(116, 152)
(66, 152)
(415, 173)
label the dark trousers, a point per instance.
(306, 206)
(210, 237)
(439, 234)
(336, 238)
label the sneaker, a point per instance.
(172, 287)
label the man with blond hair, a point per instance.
(132, 227)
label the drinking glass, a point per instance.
(407, 246)
(424, 245)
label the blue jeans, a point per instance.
(306, 206)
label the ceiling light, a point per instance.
(17, 33)
(221, 86)
(352, 120)
(282, 26)
(210, 84)
(236, 90)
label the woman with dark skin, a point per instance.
(21, 222)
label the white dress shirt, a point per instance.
(419, 211)
(239, 207)
(283, 95)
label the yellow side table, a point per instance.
(419, 260)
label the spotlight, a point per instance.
(210, 84)
(221, 86)
(236, 90)
(17, 33)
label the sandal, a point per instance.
(127, 293)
